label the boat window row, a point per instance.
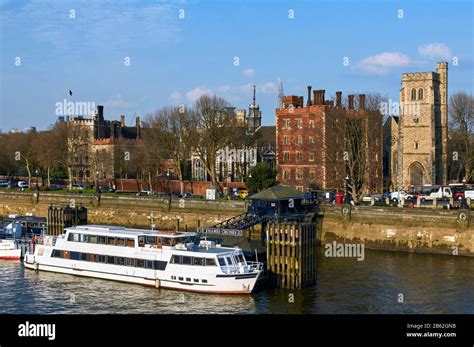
(101, 240)
(186, 260)
(188, 279)
(112, 260)
(144, 240)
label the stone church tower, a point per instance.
(423, 128)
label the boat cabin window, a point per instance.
(120, 241)
(221, 261)
(198, 261)
(74, 256)
(84, 238)
(140, 263)
(84, 257)
(150, 240)
(149, 264)
(210, 262)
(111, 241)
(93, 239)
(101, 259)
(166, 241)
(229, 261)
(186, 260)
(101, 240)
(130, 262)
(130, 243)
(110, 260)
(240, 258)
(120, 261)
(175, 259)
(141, 241)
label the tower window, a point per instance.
(299, 156)
(286, 174)
(413, 94)
(286, 156)
(416, 144)
(311, 157)
(420, 94)
(299, 140)
(299, 123)
(287, 140)
(286, 124)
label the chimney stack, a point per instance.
(338, 99)
(100, 112)
(321, 95)
(137, 124)
(351, 102)
(308, 102)
(122, 120)
(315, 97)
(361, 101)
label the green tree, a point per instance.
(261, 176)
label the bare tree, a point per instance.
(45, 147)
(73, 147)
(349, 151)
(461, 112)
(173, 134)
(24, 151)
(217, 127)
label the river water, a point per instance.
(384, 282)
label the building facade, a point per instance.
(423, 128)
(311, 142)
(96, 159)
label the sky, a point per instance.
(136, 56)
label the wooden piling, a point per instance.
(60, 217)
(291, 254)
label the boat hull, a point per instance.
(227, 285)
(10, 254)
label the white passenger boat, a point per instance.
(155, 258)
(9, 250)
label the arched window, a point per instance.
(420, 94)
(413, 94)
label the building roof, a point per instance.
(278, 193)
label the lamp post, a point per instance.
(168, 181)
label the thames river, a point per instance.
(385, 282)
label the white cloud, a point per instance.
(435, 50)
(224, 88)
(249, 72)
(175, 97)
(197, 92)
(268, 87)
(117, 102)
(380, 64)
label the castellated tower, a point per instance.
(423, 128)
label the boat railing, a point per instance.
(254, 266)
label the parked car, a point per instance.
(160, 194)
(56, 187)
(403, 195)
(242, 193)
(436, 192)
(107, 189)
(145, 192)
(78, 187)
(4, 183)
(23, 185)
(368, 198)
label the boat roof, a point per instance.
(123, 231)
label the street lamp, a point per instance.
(168, 181)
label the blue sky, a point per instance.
(174, 60)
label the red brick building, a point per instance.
(311, 142)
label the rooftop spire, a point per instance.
(254, 94)
(279, 101)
